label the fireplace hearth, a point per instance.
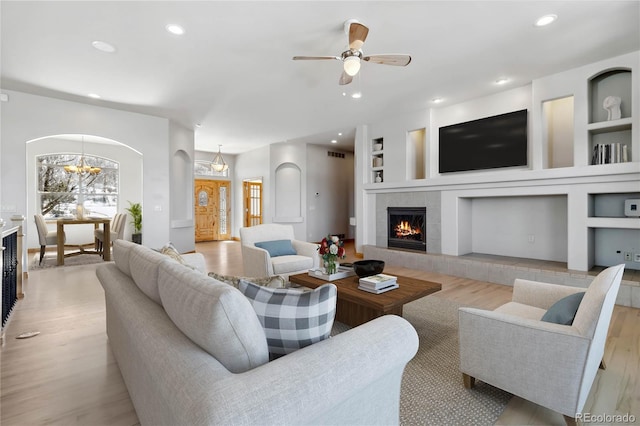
(406, 228)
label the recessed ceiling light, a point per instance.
(340, 134)
(356, 95)
(502, 80)
(545, 20)
(93, 95)
(334, 141)
(175, 29)
(437, 100)
(103, 46)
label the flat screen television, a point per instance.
(487, 143)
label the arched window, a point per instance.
(60, 191)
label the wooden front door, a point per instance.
(212, 210)
(252, 203)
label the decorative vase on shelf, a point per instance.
(378, 177)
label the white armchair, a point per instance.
(258, 262)
(550, 364)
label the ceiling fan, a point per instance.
(352, 57)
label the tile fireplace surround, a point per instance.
(494, 269)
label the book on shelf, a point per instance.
(386, 287)
(377, 281)
(607, 153)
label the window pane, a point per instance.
(223, 210)
(58, 205)
(101, 205)
(104, 183)
(60, 191)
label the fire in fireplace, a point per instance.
(407, 228)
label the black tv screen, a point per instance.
(487, 143)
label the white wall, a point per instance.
(329, 193)
(529, 227)
(255, 164)
(27, 117)
(394, 130)
(182, 233)
(288, 153)
(312, 217)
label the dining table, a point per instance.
(106, 222)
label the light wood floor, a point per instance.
(67, 375)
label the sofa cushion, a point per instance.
(292, 319)
(277, 247)
(144, 264)
(564, 310)
(273, 282)
(287, 264)
(521, 310)
(214, 315)
(121, 254)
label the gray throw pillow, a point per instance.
(292, 319)
(564, 310)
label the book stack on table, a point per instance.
(378, 283)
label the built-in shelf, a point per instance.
(610, 137)
(613, 222)
(610, 126)
(377, 160)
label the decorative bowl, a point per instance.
(366, 268)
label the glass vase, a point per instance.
(331, 266)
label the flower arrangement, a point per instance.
(331, 248)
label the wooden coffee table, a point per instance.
(355, 307)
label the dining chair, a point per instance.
(116, 229)
(45, 237)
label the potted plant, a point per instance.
(135, 210)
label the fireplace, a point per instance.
(407, 226)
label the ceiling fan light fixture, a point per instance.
(351, 65)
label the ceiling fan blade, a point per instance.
(314, 58)
(345, 79)
(357, 35)
(397, 60)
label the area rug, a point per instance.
(432, 392)
(51, 260)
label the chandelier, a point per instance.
(82, 168)
(218, 164)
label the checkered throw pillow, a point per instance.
(292, 319)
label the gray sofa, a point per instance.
(192, 352)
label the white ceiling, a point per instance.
(232, 70)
